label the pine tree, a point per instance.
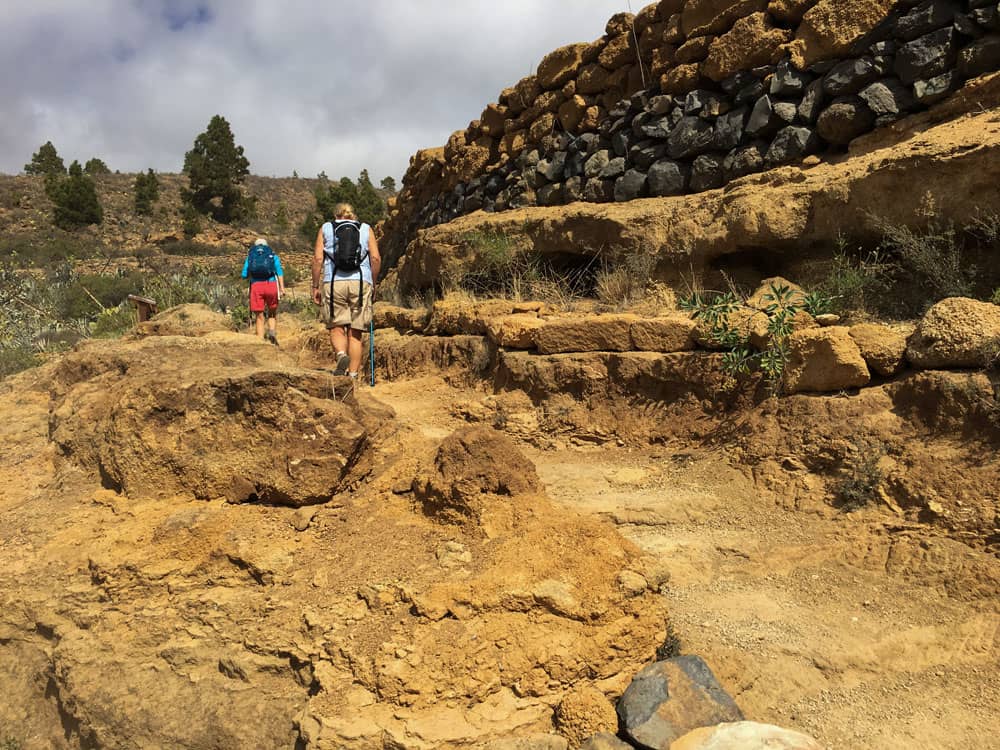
(45, 161)
(147, 191)
(75, 199)
(216, 168)
(388, 183)
(96, 166)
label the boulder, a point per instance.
(593, 79)
(850, 76)
(752, 41)
(888, 97)
(515, 331)
(831, 27)
(590, 333)
(561, 65)
(668, 699)
(583, 712)
(701, 17)
(928, 16)
(707, 173)
(955, 332)
(630, 186)
(745, 735)
(691, 136)
(789, 12)
(619, 52)
(674, 333)
(982, 56)
(790, 144)
(823, 360)
(844, 120)
(667, 177)
(883, 348)
(472, 469)
(927, 56)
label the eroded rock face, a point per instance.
(161, 620)
(193, 419)
(883, 348)
(955, 332)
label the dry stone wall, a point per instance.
(688, 95)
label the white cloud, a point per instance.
(307, 86)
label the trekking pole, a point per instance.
(371, 349)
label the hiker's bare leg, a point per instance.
(260, 324)
(272, 322)
(355, 350)
(338, 337)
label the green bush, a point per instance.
(75, 200)
(192, 248)
(14, 359)
(147, 192)
(190, 221)
(96, 166)
(216, 168)
(114, 321)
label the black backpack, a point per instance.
(348, 255)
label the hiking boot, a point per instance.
(270, 336)
(343, 362)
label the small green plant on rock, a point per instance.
(730, 319)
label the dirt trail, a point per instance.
(862, 631)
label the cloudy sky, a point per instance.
(309, 86)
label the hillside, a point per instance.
(683, 432)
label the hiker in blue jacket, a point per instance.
(267, 284)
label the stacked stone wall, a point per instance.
(687, 95)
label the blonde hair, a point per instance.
(344, 211)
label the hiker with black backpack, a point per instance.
(345, 264)
(267, 284)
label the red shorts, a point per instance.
(263, 294)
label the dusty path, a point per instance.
(862, 632)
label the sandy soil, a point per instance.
(856, 628)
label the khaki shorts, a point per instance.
(348, 310)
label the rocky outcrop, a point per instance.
(265, 433)
(775, 214)
(147, 609)
(741, 87)
(956, 332)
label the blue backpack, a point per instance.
(260, 263)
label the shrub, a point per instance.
(14, 359)
(861, 476)
(719, 311)
(931, 259)
(628, 282)
(190, 221)
(856, 282)
(114, 321)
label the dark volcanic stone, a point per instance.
(888, 97)
(630, 186)
(769, 116)
(645, 153)
(844, 120)
(791, 144)
(668, 699)
(550, 195)
(614, 168)
(982, 56)
(927, 17)
(690, 137)
(926, 57)
(668, 177)
(935, 89)
(707, 173)
(850, 76)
